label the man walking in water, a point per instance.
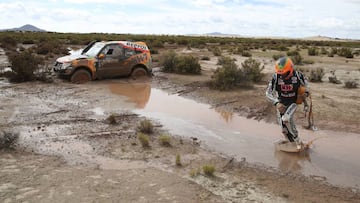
(283, 91)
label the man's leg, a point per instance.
(284, 129)
(288, 120)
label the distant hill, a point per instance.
(25, 28)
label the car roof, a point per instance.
(136, 45)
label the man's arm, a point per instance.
(271, 93)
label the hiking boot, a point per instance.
(299, 143)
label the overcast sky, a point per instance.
(278, 18)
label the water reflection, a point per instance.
(226, 115)
(138, 93)
(240, 137)
(292, 161)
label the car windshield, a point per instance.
(94, 50)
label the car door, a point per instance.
(112, 64)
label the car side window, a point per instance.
(114, 51)
(129, 52)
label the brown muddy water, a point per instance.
(333, 156)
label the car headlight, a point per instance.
(66, 66)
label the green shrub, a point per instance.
(308, 61)
(225, 60)
(227, 77)
(165, 140)
(230, 76)
(323, 51)
(184, 64)
(252, 70)
(345, 52)
(112, 119)
(144, 140)
(8, 139)
(178, 160)
(316, 75)
(195, 172)
(333, 79)
(216, 51)
(312, 51)
(23, 66)
(246, 54)
(187, 64)
(292, 53)
(277, 56)
(47, 47)
(351, 84)
(154, 51)
(8, 43)
(297, 59)
(146, 126)
(209, 170)
(205, 58)
(169, 61)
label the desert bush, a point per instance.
(252, 70)
(9, 43)
(47, 47)
(230, 75)
(224, 60)
(246, 54)
(146, 126)
(216, 51)
(165, 140)
(316, 75)
(345, 52)
(112, 119)
(169, 61)
(156, 43)
(205, 58)
(184, 64)
(226, 77)
(351, 84)
(144, 140)
(308, 61)
(23, 66)
(312, 51)
(195, 172)
(187, 64)
(297, 59)
(154, 51)
(209, 170)
(178, 160)
(356, 52)
(323, 51)
(8, 139)
(292, 53)
(277, 56)
(333, 79)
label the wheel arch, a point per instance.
(84, 68)
(139, 66)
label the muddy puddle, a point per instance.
(333, 157)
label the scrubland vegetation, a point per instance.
(30, 51)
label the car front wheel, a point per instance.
(80, 76)
(139, 72)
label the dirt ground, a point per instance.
(67, 151)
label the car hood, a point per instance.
(70, 58)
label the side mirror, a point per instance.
(101, 56)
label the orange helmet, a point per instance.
(284, 66)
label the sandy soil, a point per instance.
(68, 151)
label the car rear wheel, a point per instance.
(80, 76)
(139, 72)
